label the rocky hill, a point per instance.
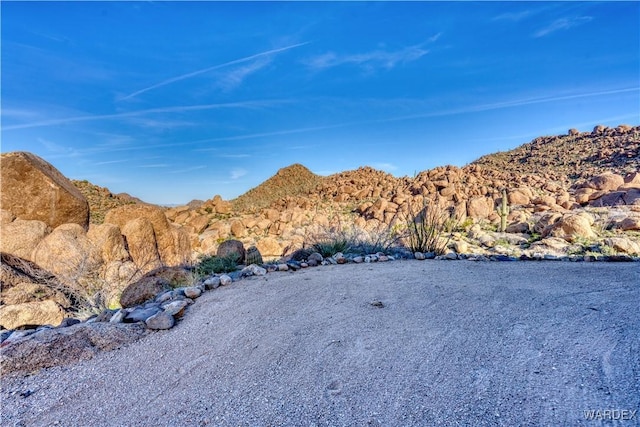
(576, 155)
(292, 181)
(101, 199)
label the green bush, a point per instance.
(430, 229)
(209, 264)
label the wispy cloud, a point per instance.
(215, 67)
(562, 24)
(175, 109)
(513, 16)
(156, 165)
(110, 162)
(369, 60)
(191, 169)
(238, 173)
(236, 77)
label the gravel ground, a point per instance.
(389, 344)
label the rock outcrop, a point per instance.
(148, 226)
(32, 189)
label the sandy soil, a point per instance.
(389, 344)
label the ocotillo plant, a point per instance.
(503, 211)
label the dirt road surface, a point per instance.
(403, 343)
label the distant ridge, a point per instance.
(576, 155)
(291, 181)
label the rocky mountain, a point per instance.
(101, 199)
(576, 155)
(294, 180)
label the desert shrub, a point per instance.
(347, 238)
(430, 229)
(209, 264)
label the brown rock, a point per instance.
(519, 197)
(33, 292)
(6, 217)
(31, 313)
(31, 188)
(21, 237)
(606, 182)
(67, 253)
(573, 226)
(109, 242)
(142, 244)
(232, 248)
(269, 247)
(143, 290)
(55, 347)
(238, 229)
(623, 245)
(199, 223)
(479, 207)
(630, 223)
(172, 243)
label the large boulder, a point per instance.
(571, 227)
(68, 253)
(142, 244)
(31, 188)
(173, 244)
(479, 207)
(55, 347)
(33, 292)
(606, 182)
(143, 290)
(21, 237)
(45, 312)
(108, 240)
(269, 247)
(232, 248)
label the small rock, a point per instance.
(283, 267)
(212, 282)
(312, 263)
(383, 258)
(160, 320)
(294, 265)
(367, 259)
(358, 260)
(193, 292)
(225, 280)
(69, 321)
(119, 316)
(141, 314)
(419, 256)
(165, 296)
(376, 303)
(175, 308)
(315, 257)
(253, 270)
(304, 264)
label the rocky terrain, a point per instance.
(68, 247)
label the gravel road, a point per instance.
(390, 344)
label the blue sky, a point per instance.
(173, 101)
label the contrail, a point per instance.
(178, 109)
(206, 70)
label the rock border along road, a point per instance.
(390, 344)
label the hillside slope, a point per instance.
(101, 199)
(292, 181)
(576, 155)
